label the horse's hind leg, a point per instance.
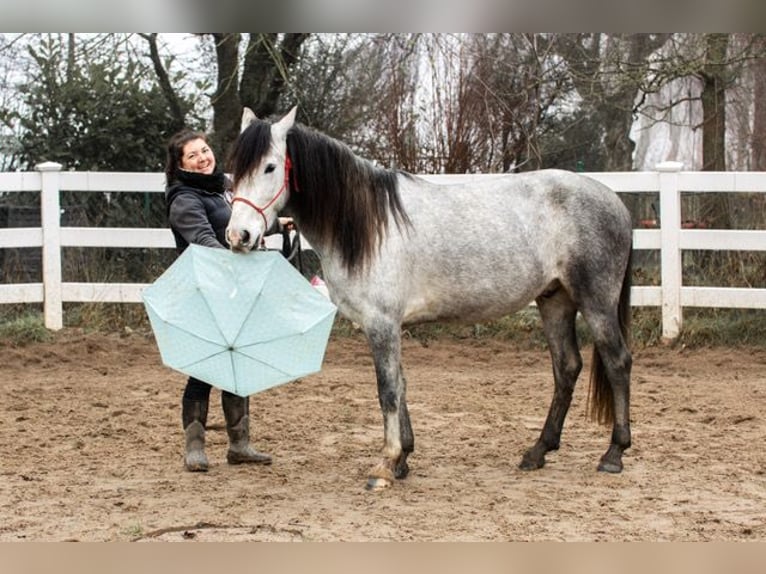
(612, 363)
(558, 314)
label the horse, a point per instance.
(396, 249)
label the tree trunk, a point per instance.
(759, 120)
(227, 109)
(714, 207)
(266, 70)
(619, 146)
(257, 72)
(618, 114)
(71, 58)
(714, 81)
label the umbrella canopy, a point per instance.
(242, 323)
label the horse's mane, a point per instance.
(341, 199)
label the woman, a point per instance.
(198, 212)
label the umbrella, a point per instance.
(241, 322)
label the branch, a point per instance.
(164, 81)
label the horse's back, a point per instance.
(528, 212)
(486, 248)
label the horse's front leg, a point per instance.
(405, 429)
(385, 344)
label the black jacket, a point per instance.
(197, 209)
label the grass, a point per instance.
(133, 532)
(723, 327)
(701, 328)
(23, 329)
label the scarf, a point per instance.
(215, 182)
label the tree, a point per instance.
(461, 103)
(524, 90)
(368, 85)
(256, 79)
(759, 112)
(715, 77)
(610, 73)
(165, 83)
(11, 106)
(91, 107)
(339, 85)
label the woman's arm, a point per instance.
(189, 218)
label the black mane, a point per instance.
(337, 197)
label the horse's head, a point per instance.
(261, 172)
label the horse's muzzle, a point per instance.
(239, 241)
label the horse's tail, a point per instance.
(601, 403)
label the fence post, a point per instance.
(670, 232)
(50, 217)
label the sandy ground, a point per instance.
(91, 450)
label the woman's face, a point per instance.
(198, 157)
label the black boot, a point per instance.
(194, 418)
(235, 410)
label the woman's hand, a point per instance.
(286, 223)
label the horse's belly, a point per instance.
(454, 302)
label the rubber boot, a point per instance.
(194, 417)
(235, 410)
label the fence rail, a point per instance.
(671, 239)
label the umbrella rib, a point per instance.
(258, 361)
(215, 323)
(288, 335)
(269, 340)
(199, 360)
(231, 353)
(200, 336)
(249, 313)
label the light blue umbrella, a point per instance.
(241, 322)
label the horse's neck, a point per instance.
(328, 254)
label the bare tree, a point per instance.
(362, 89)
(269, 60)
(759, 111)
(716, 77)
(256, 79)
(163, 79)
(491, 97)
(610, 72)
(227, 106)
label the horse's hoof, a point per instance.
(402, 470)
(376, 483)
(610, 467)
(529, 462)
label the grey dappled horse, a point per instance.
(396, 249)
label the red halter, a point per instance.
(260, 210)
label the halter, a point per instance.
(261, 210)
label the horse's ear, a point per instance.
(248, 116)
(290, 116)
(287, 121)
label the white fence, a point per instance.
(671, 239)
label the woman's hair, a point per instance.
(176, 150)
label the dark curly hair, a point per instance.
(176, 145)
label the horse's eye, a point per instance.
(269, 168)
